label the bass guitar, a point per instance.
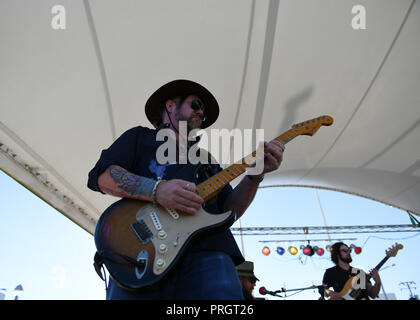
(140, 242)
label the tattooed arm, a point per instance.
(119, 182)
(177, 194)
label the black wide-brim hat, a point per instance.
(155, 104)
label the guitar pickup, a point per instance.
(142, 231)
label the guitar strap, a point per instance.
(98, 263)
(100, 259)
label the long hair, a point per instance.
(335, 251)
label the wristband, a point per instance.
(154, 198)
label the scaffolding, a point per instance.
(258, 231)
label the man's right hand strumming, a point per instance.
(179, 195)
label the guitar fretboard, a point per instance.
(380, 264)
(212, 186)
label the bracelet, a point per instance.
(154, 199)
(256, 180)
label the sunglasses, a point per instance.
(197, 105)
(252, 280)
(346, 250)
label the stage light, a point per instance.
(293, 250)
(320, 251)
(358, 250)
(308, 251)
(280, 250)
(266, 251)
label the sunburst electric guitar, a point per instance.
(140, 242)
(349, 293)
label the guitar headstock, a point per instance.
(311, 126)
(392, 252)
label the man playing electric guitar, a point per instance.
(129, 169)
(337, 277)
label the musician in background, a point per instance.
(247, 279)
(337, 276)
(129, 169)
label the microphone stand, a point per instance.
(283, 290)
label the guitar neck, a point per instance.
(380, 264)
(212, 186)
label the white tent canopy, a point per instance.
(66, 94)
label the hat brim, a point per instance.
(154, 105)
(247, 274)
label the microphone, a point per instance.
(264, 291)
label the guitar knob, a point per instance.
(163, 248)
(162, 234)
(160, 263)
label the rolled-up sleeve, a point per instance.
(123, 152)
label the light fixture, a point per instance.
(266, 251)
(280, 250)
(308, 251)
(293, 250)
(320, 251)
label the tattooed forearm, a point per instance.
(131, 184)
(119, 182)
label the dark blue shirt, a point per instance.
(135, 151)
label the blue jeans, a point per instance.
(202, 275)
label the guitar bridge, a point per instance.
(142, 231)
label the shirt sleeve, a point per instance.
(122, 153)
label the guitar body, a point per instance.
(348, 293)
(151, 236)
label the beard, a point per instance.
(247, 294)
(348, 259)
(193, 122)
